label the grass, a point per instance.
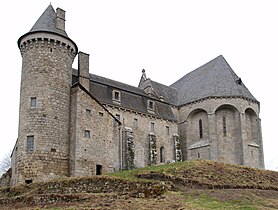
(193, 185)
(206, 202)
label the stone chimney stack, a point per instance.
(60, 19)
(83, 70)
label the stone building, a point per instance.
(74, 123)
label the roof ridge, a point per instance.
(207, 63)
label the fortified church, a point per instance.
(74, 123)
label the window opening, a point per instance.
(28, 181)
(116, 95)
(100, 114)
(87, 134)
(167, 130)
(201, 129)
(135, 122)
(151, 105)
(224, 126)
(30, 143)
(118, 117)
(198, 155)
(152, 126)
(33, 102)
(88, 111)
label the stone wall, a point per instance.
(230, 131)
(46, 77)
(94, 136)
(141, 130)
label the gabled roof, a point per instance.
(169, 94)
(46, 22)
(214, 79)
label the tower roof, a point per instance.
(214, 79)
(47, 22)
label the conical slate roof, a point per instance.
(46, 22)
(214, 79)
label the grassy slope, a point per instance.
(192, 185)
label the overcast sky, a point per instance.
(168, 38)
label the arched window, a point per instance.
(224, 126)
(162, 154)
(201, 129)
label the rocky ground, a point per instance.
(187, 185)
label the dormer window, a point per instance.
(116, 96)
(151, 105)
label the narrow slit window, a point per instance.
(167, 130)
(224, 126)
(152, 126)
(135, 123)
(201, 129)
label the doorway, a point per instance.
(98, 169)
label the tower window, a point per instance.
(224, 126)
(33, 102)
(88, 111)
(200, 129)
(87, 134)
(30, 144)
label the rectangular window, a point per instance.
(135, 123)
(88, 111)
(116, 95)
(87, 134)
(167, 130)
(151, 105)
(152, 126)
(33, 102)
(30, 143)
(118, 117)
(100, 114)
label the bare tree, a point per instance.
(5, 164)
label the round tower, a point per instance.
(42, 148)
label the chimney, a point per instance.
(83, 70)
(60, 19)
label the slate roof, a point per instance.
(132, 98)
(46, 22)
(214, 79)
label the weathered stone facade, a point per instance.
(73, 123)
